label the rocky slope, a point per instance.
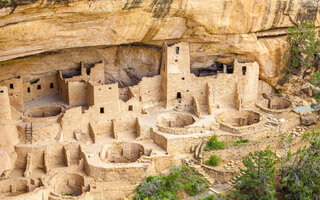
(218, 30)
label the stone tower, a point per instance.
(175, 72)
(5, 109)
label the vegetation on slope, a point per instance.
(213, 143)
(303, 47)
(240, 142)
(180, 178)
(213, 161)
(297, 177)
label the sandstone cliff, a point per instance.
(218, 30)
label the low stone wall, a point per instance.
(121, 152)
(226, 123)
(185, 141)
(181, 131)
(70, 184)
(135, 172)
(43, 114)
(21, 189)
(40, 132)
(218, 175)
(285, 105)
(239, 130)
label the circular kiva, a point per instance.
(275, 105)
(43, 111)
(239, 121)
(70, 184)
(121, 152)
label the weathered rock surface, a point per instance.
(5, 163)
(308, 118)
(217, 30)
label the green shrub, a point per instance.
(213, 143)
(303, 46)
(213, 161)
(209, 197)
(180, 178)
(258, 181)
(239, 142)
(279, 94)
(300, 172)
(317, 97)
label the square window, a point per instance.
(51, 85)
(109, 88)
(11, 85)
(38, 87)
(130, 108)
(1, 91)
(182, 78)
(175, 60)
(102, 110)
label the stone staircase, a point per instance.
(233, 181)
(144, 159)
(179, 107)
(202, 173)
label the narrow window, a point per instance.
(182, 78)
(38, 87)
(130, 108)
(1, 91)
(179, 95)
(29, 90)
(51, 85)
(244, 70)
(102, 110)
(11, 86)
(229, 69)
(177, 50)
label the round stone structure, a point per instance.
(121, 152)
(175, 119)
(239, 121)
(177, 123)
(68, 185)
(275, 105)
(43, 114)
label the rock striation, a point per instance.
(217, 30)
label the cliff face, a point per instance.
(218, 30)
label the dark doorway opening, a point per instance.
(244, 70)
(178, 95)
(101, 110)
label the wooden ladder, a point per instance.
(28, 134)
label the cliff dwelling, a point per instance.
(159, 99)
(80, 136)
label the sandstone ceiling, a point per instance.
(216, 29)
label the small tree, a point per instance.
(258, 181)
(214, 143)
(301, 172)
(213, 161)
(303, 47)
